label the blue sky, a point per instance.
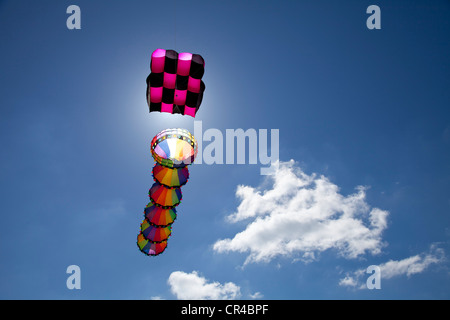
(354, 107)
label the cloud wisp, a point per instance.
(393, 268)
(192, 286)
(302, 215)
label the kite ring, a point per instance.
(174, 148)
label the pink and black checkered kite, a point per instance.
(175, 83)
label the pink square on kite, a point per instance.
(180, 97)
(185, 56)
(194, 85)
(158, 60)
(166, 107)
(156, 94)
(169, 80)
(189, 111)
(159, 53)
(184, 63)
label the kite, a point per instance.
(174, 86)
(159, 216)
(175, 82)
(173, 150)
(154, 233)
(150, 248)
(170, 177)
(165, 197)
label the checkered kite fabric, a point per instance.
(175, 82)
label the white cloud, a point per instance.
(348, 281)
(192, 286)
(303, 215)
(393, 268)
(256, 295)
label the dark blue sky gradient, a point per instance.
(362, 107)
